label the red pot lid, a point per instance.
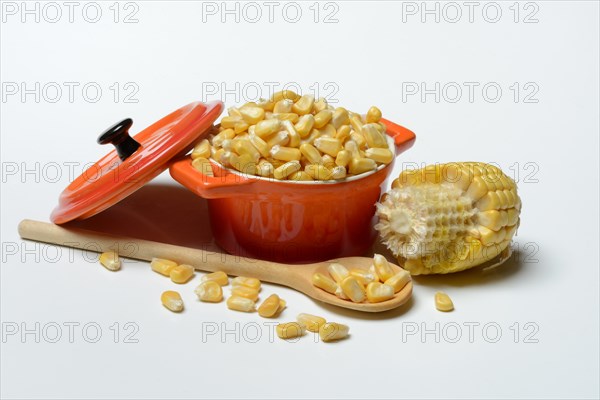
(134, 161)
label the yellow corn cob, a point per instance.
(449, 217)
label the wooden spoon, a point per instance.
(297, 277)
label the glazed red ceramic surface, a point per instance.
(293, 222)
(110, 179)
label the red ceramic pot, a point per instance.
(292, 222)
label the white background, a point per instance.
(374, 54)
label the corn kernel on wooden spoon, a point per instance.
(298, 277)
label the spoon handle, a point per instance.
(200, 259)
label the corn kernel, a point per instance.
(283, 106)
(443, 302)
(172, 300)
(356, 123)
(320, 105)
(361, 165)
(318, 172)
(290, 330)
(343, 133)
(285, 94)
(323, 282)
(162, 266)
(219, 277)
(292, 133)
(373, 137)
(238, 303)
(244, 146)
(359, 139)
(340, 117)
(202, 149)
(378, 292)
(229, 122)
(364, 276)
(252, 283)
(312, 323)
(181, 273)
(223, 135)
(271, 307)
(384, 156)
(338, 172)
(353, 289)
(353, 148)
(322, 118)
(382, 267)
(260, 145)
(110, 260)
(304, 105)
(209, 291)
(311, 153)
(241, 127)
(373, 115)
(292, 117)
(267, 127)
(234, 112)
(246, 292)
(399, 280)
(245, 163)
(331, 331)
(202, 165)
(338, 272)
(305, 125)
(287, 169)
(265, 168)
(328, 131)
(285, 153)
(300, 176)
(281, 138)
(343, 158)
(328, 161)
(328, 145)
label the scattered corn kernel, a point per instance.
(271, 307)
(244, 291)
(318, 172)
(378, 292)
(312, 323)
(181, 273)
(323, 282)
(353, 289)
(443, 302)
(304, 105)
(162, 266)
(331, 331)
(382, 267)
(218, 276)
(290, 330)
(399, 280)
(285, 153)
(110, 260)
(209, 291)
(252, 283)
(172, 300)
(328, 145)
(238, 303)
(361, 165)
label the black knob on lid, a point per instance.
(118, 135)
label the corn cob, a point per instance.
(449, 217)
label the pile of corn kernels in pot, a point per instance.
(295, 138)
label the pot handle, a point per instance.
(403, 137)
(222, 184)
